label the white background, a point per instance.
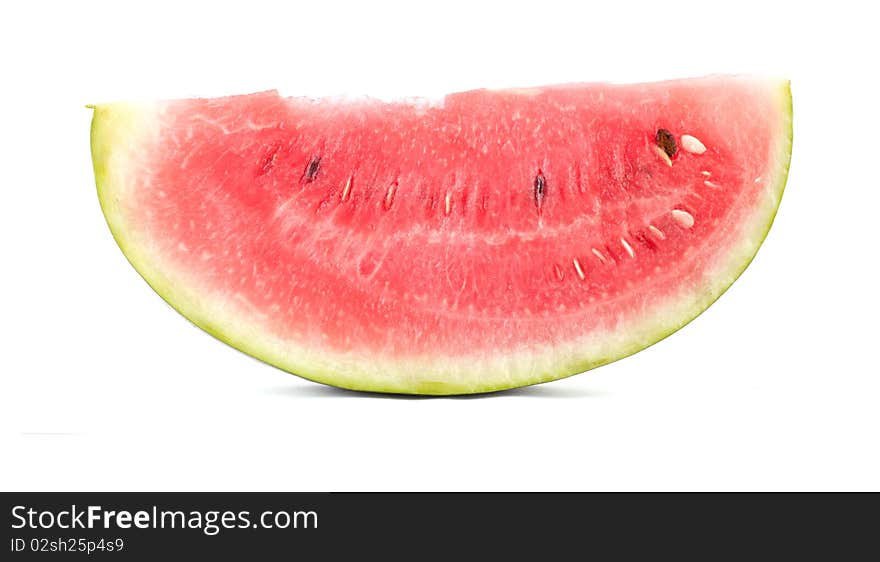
(104, 387)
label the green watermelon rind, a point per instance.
(120, 132)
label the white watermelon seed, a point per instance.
(657, 232)
(683, 218)
(662, 154)
(628, 248)
(758, 179)
(577, 267)
(389, 197)
(692, 144)
(707, 183)
(706, 173)
(346, 190)
(448, 202)
(599, 255)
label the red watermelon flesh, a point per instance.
(493, 239)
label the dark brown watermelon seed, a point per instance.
(312, 169)
(666, 141)
(540, 187)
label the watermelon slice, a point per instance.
(493, 239)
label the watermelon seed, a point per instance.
(611, 253)
(347, 188)
(269, 161)
(683, 218)
(389, 196)
(627, 247)
(312, 169)
(707, 183)
(577, 178)
(758, 179)
(640, 236)
(559, 273)
(662, 154)
(540, 185)
(692, 144)
(706, 173)
(577, 267)
(657, 232)
(448, 202)
(666, 141)
(600, 255)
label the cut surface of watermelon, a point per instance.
(494, 239)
